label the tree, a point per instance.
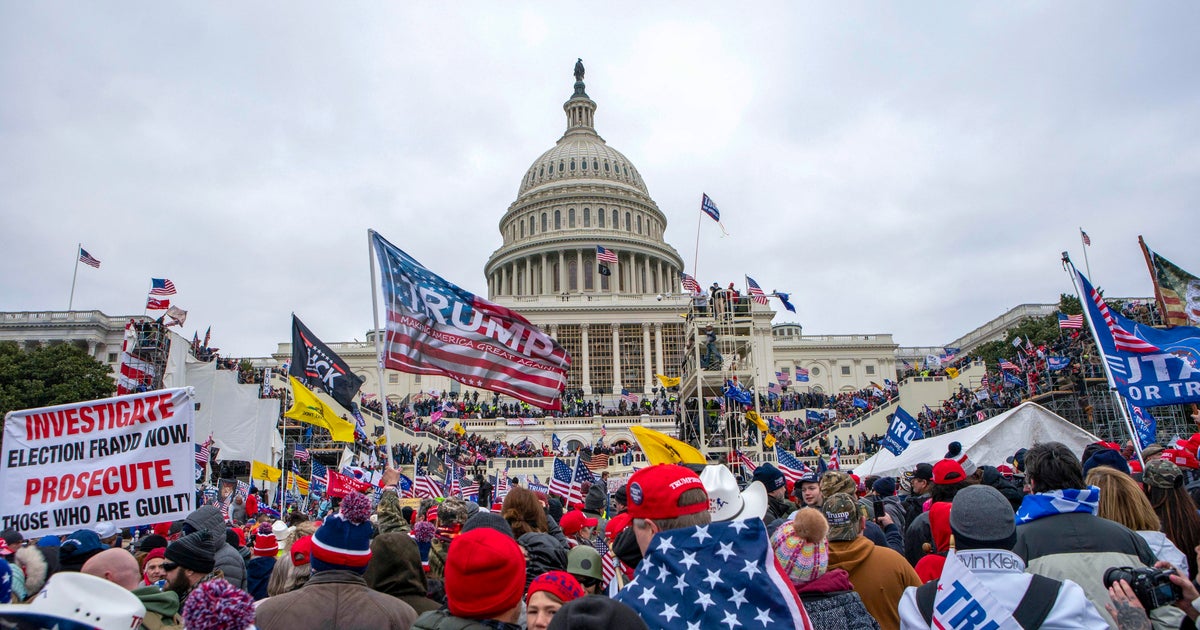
(50, 375)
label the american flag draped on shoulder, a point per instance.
(721, 575)
(435, 327)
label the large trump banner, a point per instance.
(127, 460)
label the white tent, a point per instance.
(990, 442)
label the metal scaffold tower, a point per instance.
(148, 347)
(720, 349)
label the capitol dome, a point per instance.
(578, 195)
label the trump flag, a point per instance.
(435, 327)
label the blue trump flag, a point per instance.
(1149, 366)
(1144, 423)
(860, 403)
(1057, 363)
(1013, 379)
(903, 430)
(813, 415)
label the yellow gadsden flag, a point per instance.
(308, 408)
(259, 470)
(664, 449)
(668, 381)
(757, 421)
(952, 372)
(458, 428)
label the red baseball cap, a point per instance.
(654, 492)
(573, 521)
(947, 472)
(616, 525)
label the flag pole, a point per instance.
(1086, 264)
(1158, 298)
(1112, 385)
(695, 254)
(383, 401)
(79, 248)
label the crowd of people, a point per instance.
(1051, 537)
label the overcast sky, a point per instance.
(905, 168)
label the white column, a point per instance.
(658, 353)
(585, 367)
(616, 355)
(528, 275)
(562, 272)
(503, 280)
(646, 356)
(544, 289)
(579, 269)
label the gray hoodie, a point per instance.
(208, 518)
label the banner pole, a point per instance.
(1122, 408)
(383, 401)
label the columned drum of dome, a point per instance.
(580, 194)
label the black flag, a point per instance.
(604, 271)
(317, 366)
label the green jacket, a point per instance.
(162, 608)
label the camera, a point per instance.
(1152, 586)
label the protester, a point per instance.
(879, 574)
(810, 490)
(190, 561)
(76, 549)
(802, 549)
(228, 561)
(218, 605)
(773, 480)
(293, 569)
(1059, 535)
(120, 567)
(395, 568)
(981, 520)
(920, 483)
(881, 531)
(948, 478)
(451, 515)
(585, 564)
(578, 527)
(1122, 501)
(485, 579)
(1175, 508)
(548, 592)
(72, 599)
(153, 571)
(260, 567)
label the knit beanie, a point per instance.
(265, 543)
(218, 605)
(885, 487)
(153, 541)
(560, 584)
(484, 574)
(981, 518)
(488, 519)
(770, 476)
(193, 552)
(1106, 457)
(344, 540)
(801, 548)
(955, 453)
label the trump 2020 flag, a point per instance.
(903, 430)
(1145, 424)
(721, 575)
(435, 327)
(319, 367)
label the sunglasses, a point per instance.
(170, 566)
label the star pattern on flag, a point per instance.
(742, 586)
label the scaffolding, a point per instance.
(147, 348)
(1093, 410)
(720, 349)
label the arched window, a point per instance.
(557, 220)
(587, 217)
(639, 224)
(522, 229)
(616, 224)
(583, 164)
(628, 222)
(600, 217)
(605, 166)
(572, 164)
(561, 166)
(571, 217)
(595, 164)
(543, 221)
(532, 225)
(572, 276)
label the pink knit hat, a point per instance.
(802, 561)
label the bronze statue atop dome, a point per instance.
(579, 69)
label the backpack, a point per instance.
(1033, 609)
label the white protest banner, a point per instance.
(127, 460)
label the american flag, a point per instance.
(501, 486)
(756, 292)
(791, 467)
(88, 259)
(689, 283)
(627, 397)
(608, 563)
(598, 461)
(425, 486)
(204, 452)
(300, 453)
(454, 476)
(405, 486)
(745, 461)
(1070, 321)
(605, 255)
(154, 304)
(985, 382)
(320, 472)
(1087, 240)
(835, 462)
(161, 286)
(470, 490)
(1122, 339)
(1005, 364)
(560, 482)
(582, 474)
(502, 352)
(801, 374)
(736, 565)
(774, 388)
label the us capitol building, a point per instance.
(621, 327)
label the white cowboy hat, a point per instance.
(726, 502)
(78, 600)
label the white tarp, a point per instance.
(988, 443)
(241, 424)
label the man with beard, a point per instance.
(190, 561)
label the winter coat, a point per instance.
(390, 516)
(258, 573)
(915, 537)
(879, 575)
(546, 553)
(162, 608)
(208, 518)
(894, 507)
(443, 620)
(395, 569)
(334, 599)
(831, 602)
(237, 512)
(778, 508)
(1162, 547)
(1001, 572)
(1080, 547)
(36, 567)
(1012, 492)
